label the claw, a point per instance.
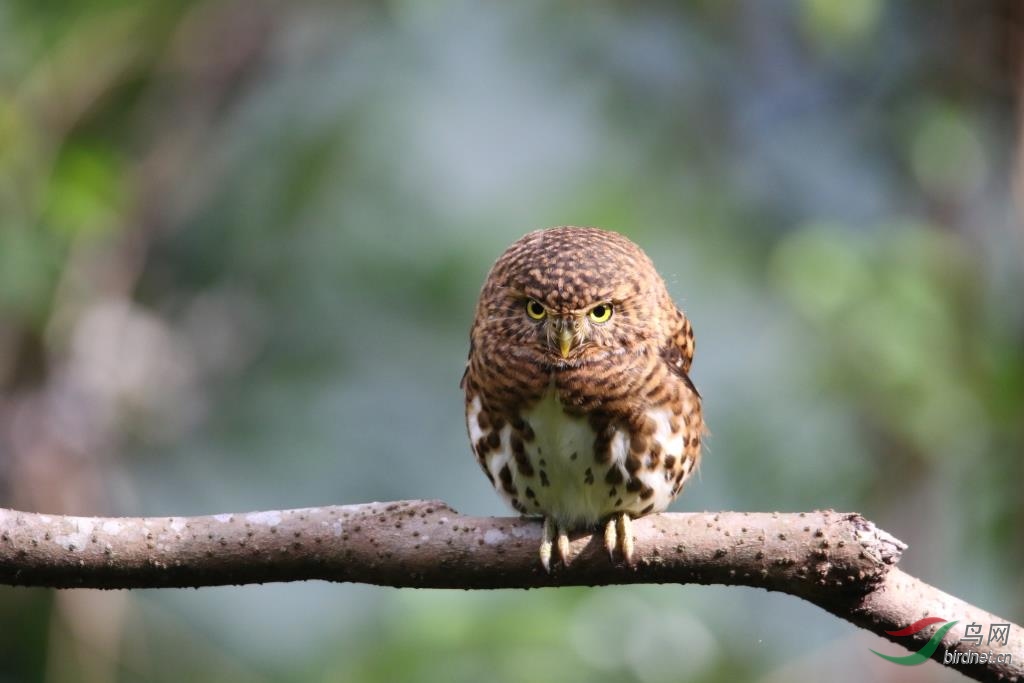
(554, 535)
(563, 545)
(618, 533)
(626, 538)
(545, 544)
(610, 538)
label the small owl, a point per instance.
(578, 402)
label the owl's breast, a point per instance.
(579, 469)
(557, 431)
(570, 472)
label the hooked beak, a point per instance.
(567, 334)
(565, 339)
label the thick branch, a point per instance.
(839, 561)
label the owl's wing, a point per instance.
(678, 352)
(465, 373)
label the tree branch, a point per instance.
(838, 561)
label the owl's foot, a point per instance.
(618, 533)
(554, 534)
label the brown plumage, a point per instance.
(578, 402)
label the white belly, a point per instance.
(566, 482)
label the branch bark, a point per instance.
(838, 561)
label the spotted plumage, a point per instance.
(579, 405)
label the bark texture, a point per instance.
(838, 561)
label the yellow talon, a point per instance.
(610, 538)
(626, 538)
(618, 533)
(545, 544)
(553, 535)
(563, 545)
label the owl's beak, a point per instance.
(565, 339)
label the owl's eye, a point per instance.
(535, 309)
(600, 313)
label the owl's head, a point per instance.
(564, 294)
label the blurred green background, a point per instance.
(241, 241)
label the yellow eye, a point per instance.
(535, 309)
(600, 313)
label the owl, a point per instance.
(579, 405)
